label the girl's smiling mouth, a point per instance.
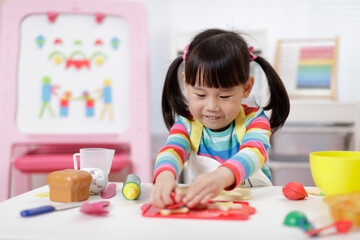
(211, 117)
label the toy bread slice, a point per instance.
(69, 185)
(345, 207)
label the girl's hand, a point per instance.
(165, 185)
(207, 186)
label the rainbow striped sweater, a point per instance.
(244, 155)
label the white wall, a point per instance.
(280, 18)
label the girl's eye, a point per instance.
(224, 96)
(200, 95)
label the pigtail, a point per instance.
(173, 100)
(279, 101)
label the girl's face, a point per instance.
(216, 108)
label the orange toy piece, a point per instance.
(294, 191)
(69, 185)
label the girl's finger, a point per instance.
(155, 198)
(178, 195)
(166, 198)
(206, 199)
(197, 198)
(195, 188)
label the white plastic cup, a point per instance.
(94, 158)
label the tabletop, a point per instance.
(125, 220)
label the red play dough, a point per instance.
(294, 191)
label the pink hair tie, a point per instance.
(186, 49)
(252, 56)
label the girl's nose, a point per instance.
(212, 104)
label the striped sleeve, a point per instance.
(176, 150)
(253, 152)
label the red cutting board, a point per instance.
(214, 214)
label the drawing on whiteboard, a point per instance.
(105, 95)
(40, 40)
(47, 91)
(78, 59)
(89, 103)
(115, 43)
(58, 41)
(65, 102)
(99, 58)
(57, 57)
(76, 65)
(99, 42)
(78, 42)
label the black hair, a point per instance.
(222, 59)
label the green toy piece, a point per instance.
(298, 219)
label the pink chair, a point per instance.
(31, 153)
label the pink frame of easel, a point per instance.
(137, 136)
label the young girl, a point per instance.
(224, 142)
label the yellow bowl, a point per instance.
(336, 172)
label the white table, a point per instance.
(125, 222)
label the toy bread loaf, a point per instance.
(345, 207)
(69, 185)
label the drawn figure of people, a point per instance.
(47, 90)
(64, 103)
(105, 94)
(89, 104)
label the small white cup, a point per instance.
(94, 158)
